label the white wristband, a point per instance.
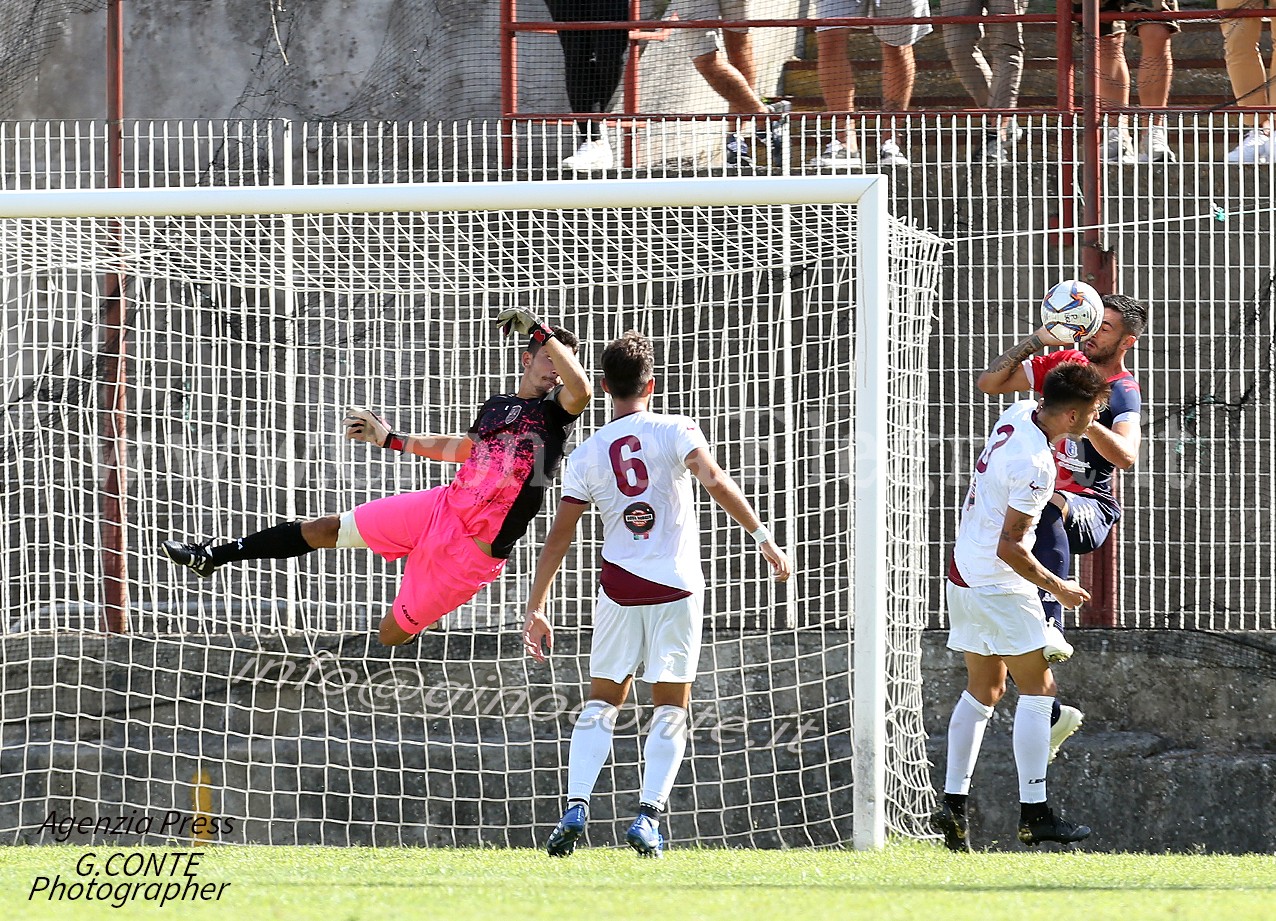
(761, 535)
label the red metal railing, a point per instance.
(1098, 260)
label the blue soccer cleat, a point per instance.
(645, 838)
(562, 840)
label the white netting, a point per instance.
(262, 693)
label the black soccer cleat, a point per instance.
(1050, 827)
(953, 825)
(195, 557)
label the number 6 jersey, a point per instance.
(634, 471)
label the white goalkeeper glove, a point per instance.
(516, 319)
(365, 425)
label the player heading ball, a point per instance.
(637, 470)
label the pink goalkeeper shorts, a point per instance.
(445, 568)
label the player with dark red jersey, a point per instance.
(457, 537)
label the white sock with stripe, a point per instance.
(1032, 746)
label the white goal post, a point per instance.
(831, 264)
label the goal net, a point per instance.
(259, 701)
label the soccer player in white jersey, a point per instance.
(637, 470)
(995, 613)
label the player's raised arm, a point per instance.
(1006, 374)
(577, 390)
(538, 634)
(365, 425)
(728, 495)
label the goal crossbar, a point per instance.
(439, 196)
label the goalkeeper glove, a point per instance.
(515, 319)
(365, 425)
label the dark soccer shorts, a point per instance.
(1089, 522)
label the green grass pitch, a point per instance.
(905, 881)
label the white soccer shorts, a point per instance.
(995, 621)
(663, 637)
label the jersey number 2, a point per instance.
(1005, 432)
(631, 472)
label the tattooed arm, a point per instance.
(1006, 374)
(1012, 550)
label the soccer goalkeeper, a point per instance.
(456, 537)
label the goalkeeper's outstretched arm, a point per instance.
(365, 425)
(728, 495)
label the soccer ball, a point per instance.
(1071, 312)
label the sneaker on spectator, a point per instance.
(1156, 149)
(837, 156)
(1011, 133)
(1118, 148)
(739, 150)
(593, 156)
(1258, 146)
(890, 154)
(990, 151)
(776, 135)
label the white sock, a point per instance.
(1032, 746)
(662, 755)
(591, 744)
(965, 735)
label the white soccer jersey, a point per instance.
(634, 470)
(1015, 470)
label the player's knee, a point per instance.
(322, 532)
(391, 634)
(995, 693)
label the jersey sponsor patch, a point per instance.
(639, 518)
(1068, 456)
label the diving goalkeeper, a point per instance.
(457, 537)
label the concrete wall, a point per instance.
(353, 744)
(348, 59)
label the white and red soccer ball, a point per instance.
(1072, 312)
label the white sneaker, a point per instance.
(1156, 148)
(837, 156)
(591, 157)
(1259, 146)
(1118, 148)
(1069, 722)
(890, 154)
(1056, 649)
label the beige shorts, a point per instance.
(995, 621)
